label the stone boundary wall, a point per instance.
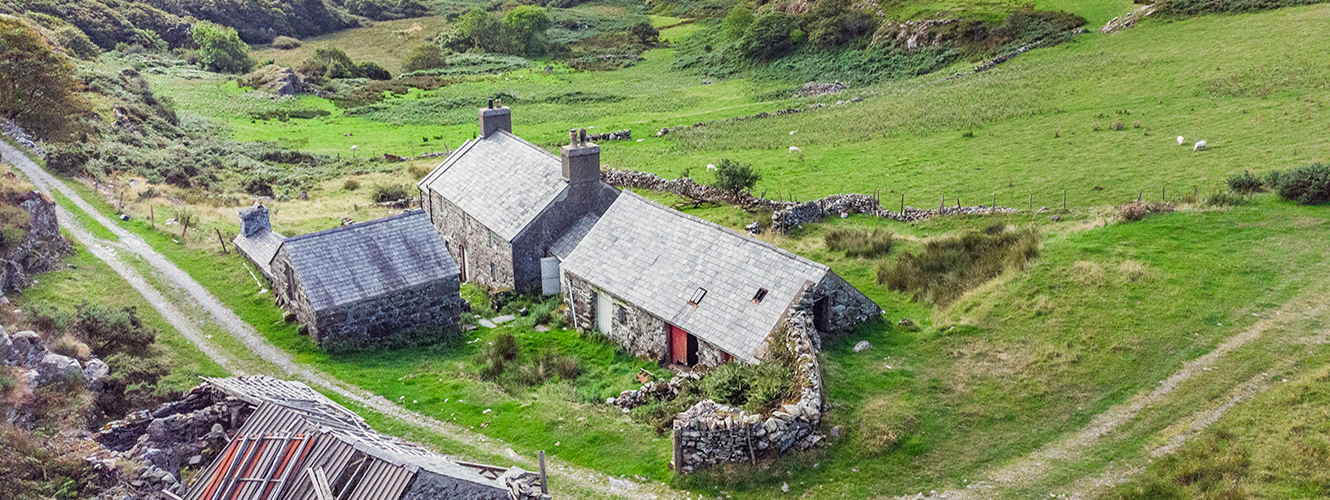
(710, 433)
(786, 214)
(15, 132)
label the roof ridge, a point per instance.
(355, 225)
(725, 230)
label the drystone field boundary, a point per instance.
(200, 298)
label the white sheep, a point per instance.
(711, 167)
(795, 149)
(1199, 146)
(1181, 141)
(792, 132)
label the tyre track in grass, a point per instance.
(1028, 470)
(192, 295)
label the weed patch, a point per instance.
(948, 267)
(862, 244)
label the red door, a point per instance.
(679, 344)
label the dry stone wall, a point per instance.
(710, 433)
(787, 215)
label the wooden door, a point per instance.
(461, 263)
(679, 345)
(549, 276)
(604, 319)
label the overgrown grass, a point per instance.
(948, 267)
(859, 243)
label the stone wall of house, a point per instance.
(848, 307)
(641, 333)
(431, 308)
(371, 321)
(534, 243)
(710, 433)
(486, 258)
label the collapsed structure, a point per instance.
(299, 445)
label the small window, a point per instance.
(620, 313)
(494, 272)
(761, 294)
(491, 239)
(697, 297)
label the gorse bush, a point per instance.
(859, 243)
(729, 384)
(351, 185)
(285, 43)
(1309, 185)
(1187, 8)
(391, 192)
(947, 267)
(1245, 183)
(111, 331)
(424, 57)
(220, 48)
(734, 177)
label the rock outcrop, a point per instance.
(41, 247)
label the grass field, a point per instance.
(1106, 311)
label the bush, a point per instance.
(1223, 198)
(1138, 209)
(948, 267)
(372, 71)
(285, 43)
(351, 185)
(76, 42)
(729, 383)
(258, 184)
(526, 26)
(38, 82)
(132, 383)
(768, 38)
(1309, 185)
(220, 49)
(734, 177)
(737, 22)
(1245, 183)
(109, 332)
(428, 56)
(392, 192)
(772, 385)
(859, 243)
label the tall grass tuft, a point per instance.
(860, 243)
(948, 267)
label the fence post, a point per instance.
(220, 240)
(902, 203)
(544, 484)
(994, 205)
(184, 230)
(152, 216)
(1032, 202)
(1163, 194)
(1064, 199)
(942, 205)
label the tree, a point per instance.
(428, 56)
(526, 24)
(768, 38)
(476, 29)
(372, 71)
(36, 81)
(220, 48)
(737, 22)
(734, 177)
(645, 34)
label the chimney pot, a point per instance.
(499, 101)
(572, 137)
(491, 103)
(581, 136)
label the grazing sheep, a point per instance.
(1199, 146)
(711, 167)
(1181, 141)
(792, 132)
(795, 149)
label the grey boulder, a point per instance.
(54, 367)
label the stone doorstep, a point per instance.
(486, 323)
(499, 320)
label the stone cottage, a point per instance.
(684, 291)
(364, 283)
(505, 207)
(257, 241)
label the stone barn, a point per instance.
(365, 283)
(684, 291)
(506, 207)
(257, 241)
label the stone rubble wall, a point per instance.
(15, 132)
(618, 135)
(710, 433)
(1130, 19)
(789, 111)
(787, 215)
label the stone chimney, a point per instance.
(254, 220)
(495, 117)
(581, 160)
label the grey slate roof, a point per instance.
(564, 246)
(656, 258)
(326, 436)
(370, 259)
(501, 180)
(260, 248)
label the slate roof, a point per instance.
(260, 248)
(502, 181)
(370, 259)
(296, 429)
(656, 258)
(564, 246)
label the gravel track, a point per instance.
(198, 297)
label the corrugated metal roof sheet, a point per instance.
(370, 259)
(502, 181)
(657, 258)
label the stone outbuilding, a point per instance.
(504, 205)
(684, 291)
(257, 241)
(365, 283)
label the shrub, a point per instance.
(428, 56)
(772, 385)
(948, 267)
(859, 243)
(526, 25)
(734, 177)
(392, 192)
(1223, 198)
(1245, 183)
(737, 22)
(372, 71)
(67, 158)
(492, 369)
(132, 383)
(1309, 185)
(1138, 209)
(77, 42)
(768, 38)
(38, 82)
(505, 346)
(220, 49)
(729, 383)
(110, 331)
(285, 43)
(258, 184)
(351, 185)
